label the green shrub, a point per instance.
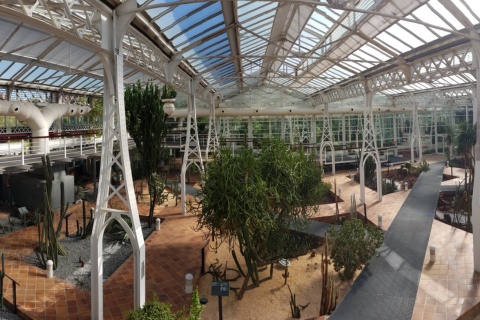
(352, 245)
(422, 167)
(155, 310)
(388, 186)
(408, 165)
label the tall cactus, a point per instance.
(48, 236)
(327, 303)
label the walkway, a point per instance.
(171, 253)
(387, 286)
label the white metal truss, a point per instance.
(296, 130)
(327, 139)
(369, 146)
(212, 139)
(114, 128)
(192, 154)
(379, 128)
(313, 129)
(453, 61)
(415, 135)
(77, 22)
(224, 127)
(305, 137)
(359, 130)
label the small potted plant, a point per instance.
(168, 98)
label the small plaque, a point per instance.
(220, 288)
(23, 210)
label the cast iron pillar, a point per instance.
(212, 139)
(416, 137)
(327, 138)
(476, 185)
(115, 132)
(369, 145)
(191, 152)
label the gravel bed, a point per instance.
(10, 224)
(70, 268)
(6, 314)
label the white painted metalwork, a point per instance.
(369, 146)
(416, 136)
(327, 139)
(192, 154)
(212, 140)
(113, 29)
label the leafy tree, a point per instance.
(254, 200)
(352, 245)
(146, 124)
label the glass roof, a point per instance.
(301, 48)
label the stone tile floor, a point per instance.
(448, 286)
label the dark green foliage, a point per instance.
(156, 310)
(115, 231)
(466, 139)
(352, 246)
(408, 165)
(49, 236)
(254, 199)
(388, 186)
(369, 169)
(168, 92)
(146, 124)
(423, 166)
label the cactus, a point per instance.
(88, 229)
(337, 212)
(353, 207)
(48, 236)
(327, 304)
(294, 308)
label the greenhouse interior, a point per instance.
(287, 159)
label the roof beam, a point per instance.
(230, 15)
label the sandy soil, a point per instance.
(271, 300)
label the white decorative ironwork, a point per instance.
(212, 139)
(192, 154)
(369, 146)
(327, 138)
(415, 135)
(122, 194)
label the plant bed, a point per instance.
(75, 267)
(446, 212)
(345, 216)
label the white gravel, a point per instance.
(70, 267)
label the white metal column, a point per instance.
(435, 128)
(305, 131)
(313, 129)
(369, 145)
(114, 128)
(476, 185)
(415, 133)
(327, 138)
(250, 132)
(212, 140)
(191, 152)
